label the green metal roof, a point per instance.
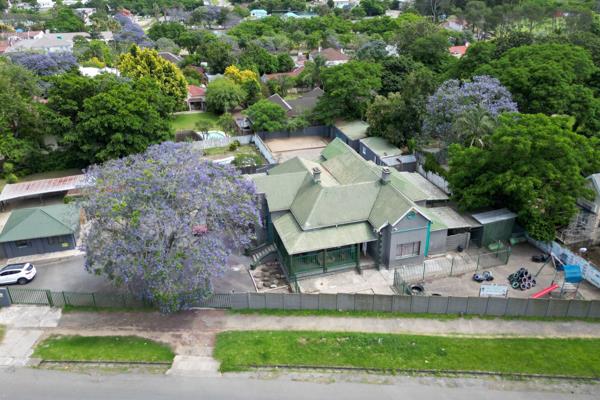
(354, 130)
(40, 222)
(350, 192)
(381, 146)
(298, 241)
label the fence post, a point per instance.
(64, 298)
(49, 297)
(423, 270)
(124, 300)
(94, 300)
(9, 295)
(451, 266)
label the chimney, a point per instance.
(385, 175)
(316, 172)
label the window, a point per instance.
(404, 250)
(364, 151)
(21, 244)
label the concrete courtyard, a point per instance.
(308, 147)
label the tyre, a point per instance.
(22, 281)
(515, 285)
(523, 286)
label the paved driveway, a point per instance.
(69, 276)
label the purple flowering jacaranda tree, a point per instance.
(453, 99)
(163, 223)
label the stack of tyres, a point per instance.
(522, 279)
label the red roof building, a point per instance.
(458, 51)
(196, 99)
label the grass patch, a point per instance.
(391, 315)
(238, 351)
(103, 348)
(2, 332)
(244, 150)
(183, 122)
(70, 309)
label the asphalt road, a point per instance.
(22, 384)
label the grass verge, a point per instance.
(2, 332)
(183, 122)
(103, 348)
(388, 315)
(238, 351)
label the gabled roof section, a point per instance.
(277, 99)
(41, 222)
(280, 190)
(416, 187)
(346, 165)
(389, 207)
(353, 130)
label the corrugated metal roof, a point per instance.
(298, 241)
(451, 219)
(489, 217)
(40, 222)
(416, 187)
(40, 187)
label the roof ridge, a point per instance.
(55, 219)
(29, 211)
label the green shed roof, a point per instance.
(298, 241)
(40, 222)
(381, 146)
(353, 130)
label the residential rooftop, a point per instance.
(354, 130)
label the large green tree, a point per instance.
(533, 164)
(122, 119)
(223, 95)
(550, 79)
(63, 19)
(140, 63)
(348, 90)
(398, 117)
(266, 116)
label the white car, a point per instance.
(17, 273)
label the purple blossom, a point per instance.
(453, 98)
(45, 64)
(131, 32)
(163, 223)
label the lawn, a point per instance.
(248, 150)
(103, 348)
(183, 122)
(239, 351)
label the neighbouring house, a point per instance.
(343, 211)
(344, 3)
(20, 35)
(455, 24)
(196, 99)
(332, 56)
(174, 58)
(39, 189)
(300, 106)
(258, 13)
(48, 43)
(351, 132)
(458, 51)
(291, 74)
(92, 72)
(40, 230)
(585, 226)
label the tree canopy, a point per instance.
(266, 116)
(140, 63)
(533, 164)
(163, 223)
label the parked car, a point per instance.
(17, 273)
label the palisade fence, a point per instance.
(460, 263)
(491, 306)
